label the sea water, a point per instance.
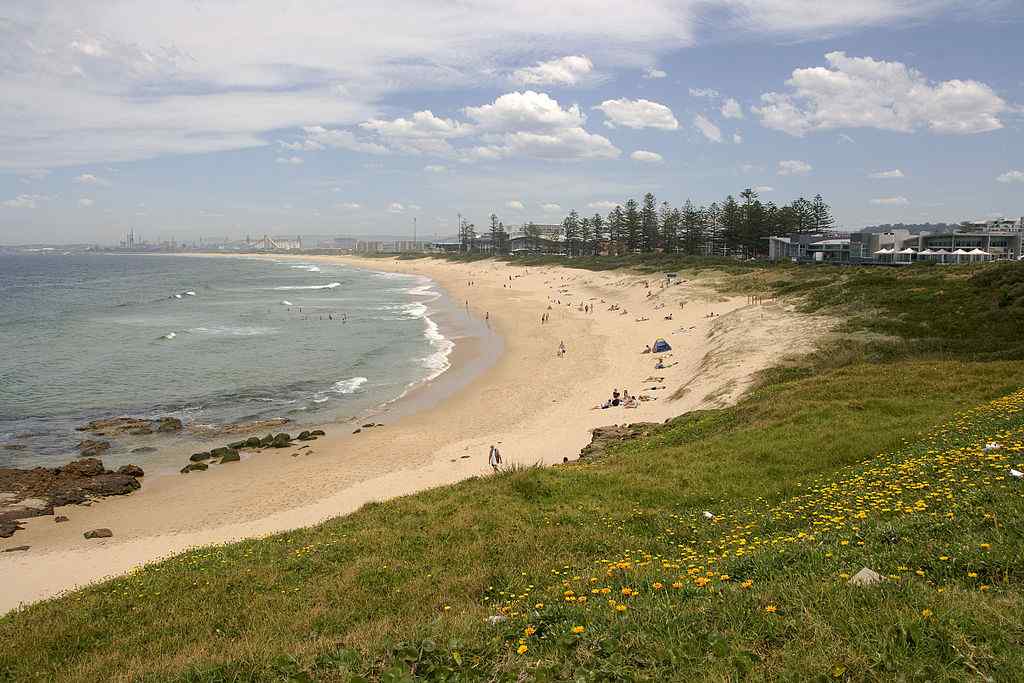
(207, 340)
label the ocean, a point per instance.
(208, 340)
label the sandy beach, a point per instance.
(535, 404)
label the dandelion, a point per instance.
(985, 546)
(771, 609)
(926, 613)
(529, 631)
(657, 585)
(677, 584)
(578, 629)
(521, 650)
(747, 584)
(539, 605)
(620, 607)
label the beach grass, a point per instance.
(609, 569)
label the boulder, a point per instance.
(220, 452)
(231, 456)
(86, 467)
(8, 527)
(252, 442)
(99, 533)
(131, 470)
(194, 467)
(169, 424)
(90, 447)
(282, 441)
(304, 436)
(267, 441)
(197, 457)
(865, 577)
(236, 444)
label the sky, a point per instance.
(203, 118)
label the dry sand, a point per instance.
(535, 405)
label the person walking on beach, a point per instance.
(494, 458)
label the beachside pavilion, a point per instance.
(909, 255)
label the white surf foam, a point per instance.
(287, 303)
(227, 330)
(333, 285)
(437, 362)
(307, 267)
(169, 335)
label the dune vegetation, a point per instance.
(717, 546)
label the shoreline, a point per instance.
(538, 407)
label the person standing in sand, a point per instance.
(494, 458)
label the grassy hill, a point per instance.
(868, 453)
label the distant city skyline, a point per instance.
(353, 118)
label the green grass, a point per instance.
(403, 589)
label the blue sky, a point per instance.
(351, 118)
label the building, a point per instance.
(551, 240)
(998, 239)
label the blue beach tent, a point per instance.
(661, 346)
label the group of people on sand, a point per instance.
(617, 399)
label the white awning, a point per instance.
(883, 251)
(908, 250)
(961, 252)
(978, 252)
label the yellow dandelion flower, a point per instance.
(926, 613)
(771, 609)
(657, 585)
(521, 650)
(620, 607)
(529, 631)
(578, 629)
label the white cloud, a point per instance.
(563, 71)
(85, 202)
(301, 146)
(731, 109)
(705, 92)
(551, 207)
(90, 179)
(861, 92)
(119, 83)
(340, 139)
(514, 204)
(603, 205)
(527, 110)
(25, 201)
(1011, 177)
(707, 128)
(348, 206)
(651, 73)
(890, 201)
(887, 175)
(422, 133)
(794, 167)
(395, 207)
(638, 114)
(533, 124)
(435, 168)
(289, 161)
(737, 138)
(644, 155)
(761, 189)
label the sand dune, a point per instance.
(536, 405)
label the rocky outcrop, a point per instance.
(90, 448)
(131, 470)
(116, 426)
(236, 428)
(195, 467)
(99, 533)
(26, 493)
(603, 438)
